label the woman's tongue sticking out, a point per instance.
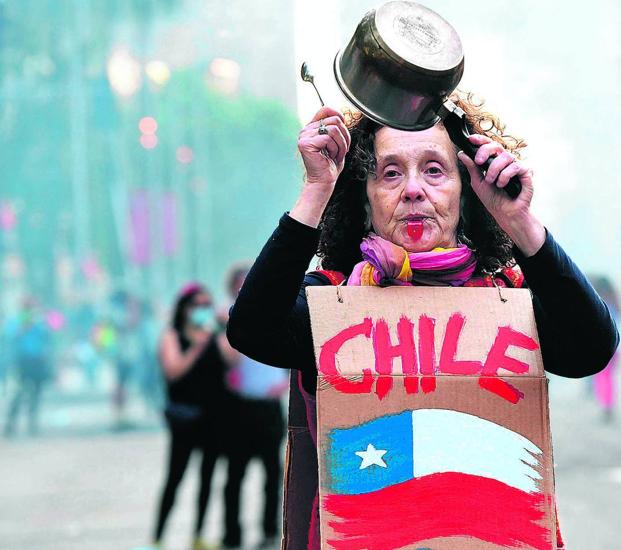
(415, 229)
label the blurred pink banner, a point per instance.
(170, 240)
(140, 246)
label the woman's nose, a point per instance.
(413, 190)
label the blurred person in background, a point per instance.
(149, 376)
(82, 320)
(103, 338)
(194, 368)
(124, 319)
(30, 339)
(604, 381)
(257, 415)
(5, 358)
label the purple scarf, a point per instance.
(387, 264)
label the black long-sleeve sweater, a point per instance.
(270, 321)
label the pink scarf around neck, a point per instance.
(386, 264)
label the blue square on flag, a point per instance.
(372, 456)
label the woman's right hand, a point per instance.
(324, 158)
(175, 361)
(324, 154)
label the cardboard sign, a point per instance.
(433, 425)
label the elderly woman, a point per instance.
(372, 195)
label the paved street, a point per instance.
(94, 489)
(99, 494)
(88, 483)
(587, 454)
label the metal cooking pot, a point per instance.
(401, 64)
(399, 68)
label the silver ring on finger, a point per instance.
(323, 129)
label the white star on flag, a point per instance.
(371, 456)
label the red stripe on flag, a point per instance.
(439, 505)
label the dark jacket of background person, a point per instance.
(199, 394)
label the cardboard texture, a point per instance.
(433, 421)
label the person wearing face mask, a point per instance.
(194, 366)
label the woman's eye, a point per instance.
(433, 170)
(390, 174)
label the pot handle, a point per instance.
(456, 125)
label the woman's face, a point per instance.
(416, 179)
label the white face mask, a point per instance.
(202, 316)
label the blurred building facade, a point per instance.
(88, 197)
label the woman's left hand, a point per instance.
(512, 215)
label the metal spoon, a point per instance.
(308, 77)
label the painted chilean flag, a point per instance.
(430, 473)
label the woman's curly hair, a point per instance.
(344, 222)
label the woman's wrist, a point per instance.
(311, 203)
(527, 232)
